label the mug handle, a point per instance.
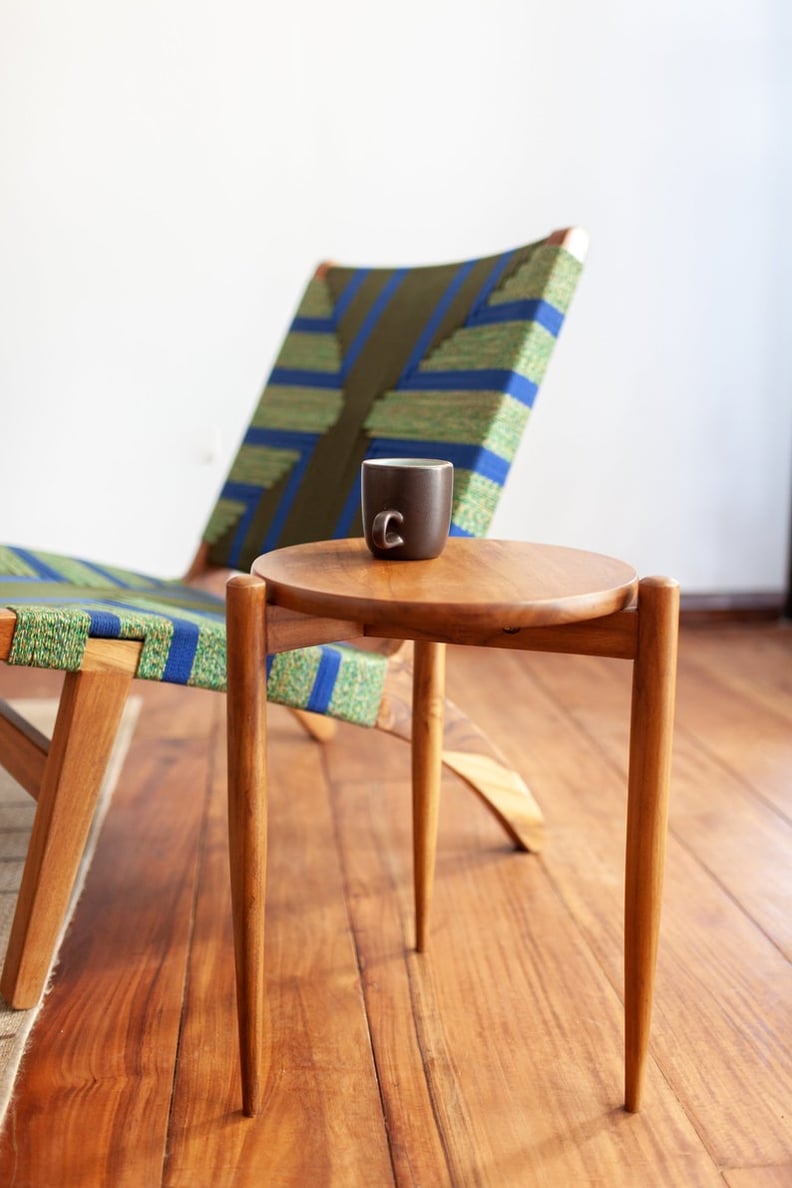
(380, 529)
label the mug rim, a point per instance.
(408, 463)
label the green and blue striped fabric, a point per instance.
(61, 602)
(439, 361)
(436, 362)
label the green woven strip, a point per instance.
(48, 637)
(308, 410)
(319, 352)
(170, 598)
(523, 348)
(475, 500)
(292, 677)
(262, 465)
(490, 419)
(551, 274)
(225, 513)
(316, 301)
(358, 689)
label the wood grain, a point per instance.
(321, 1122)
(722, 1005)
(427, 748)
(648, 787)
(247, 821)
(93, 1104)
(478, 585)
(495, 1057)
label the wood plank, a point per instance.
(100, 1063)
(759, 753)
(322, 1121)
(759, 1177)
(737, 834)
(722, 1005)
(483, 1032)
(498, 1050)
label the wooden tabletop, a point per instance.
(473, 583)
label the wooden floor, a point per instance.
(496, 1057)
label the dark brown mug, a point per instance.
(406, 506)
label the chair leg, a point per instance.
(247, 820)
(427, 744)
(90, 710)
(654, 682)
(469, 753)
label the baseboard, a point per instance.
(750, 606)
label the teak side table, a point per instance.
(487, 593)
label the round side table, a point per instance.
(484, 593)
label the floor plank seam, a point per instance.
(333, 792)
(199, 865)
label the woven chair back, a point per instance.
(440, 362)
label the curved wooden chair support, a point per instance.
(466, 750)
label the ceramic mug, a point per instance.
(406, 506)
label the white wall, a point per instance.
(172, 170)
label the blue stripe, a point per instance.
(370, 321)
(484, 380)
(490, 284)
(296, 377)
(104, 625)
(350, 292)
(183, 646)
(306, 325)
(455, 530)
(527, 310)
(239, 491)
(281, 439)
(304, 444)
(429, 331)
(287, 499)
(324, 681)
(42, 569)
(181, 656)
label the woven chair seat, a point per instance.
(61, 602)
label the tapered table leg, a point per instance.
(427, 747)
(247, 820)
(654, 681)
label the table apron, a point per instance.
(613, 635)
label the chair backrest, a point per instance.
(438, 362)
